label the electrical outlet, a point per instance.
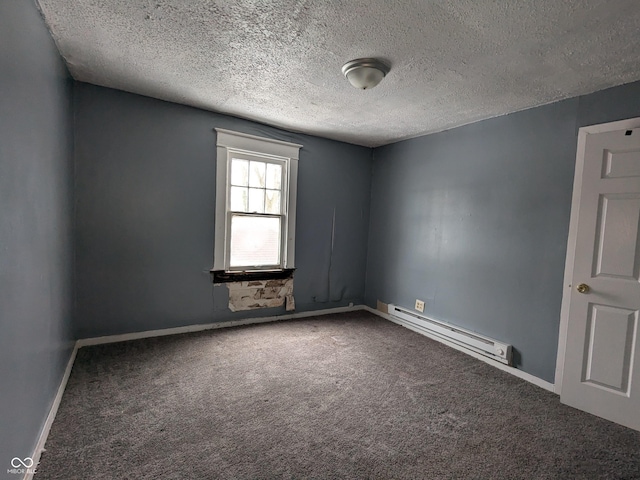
(419, 305)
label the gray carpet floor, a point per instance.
(337, 396)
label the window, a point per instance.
(256, 181)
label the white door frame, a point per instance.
(573, 230)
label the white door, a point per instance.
(601, 373)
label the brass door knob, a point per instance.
(583, 288)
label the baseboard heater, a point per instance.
(488, 347)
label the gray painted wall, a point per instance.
(609, 105)
(35, 227)
(474, 221)
(145, 192)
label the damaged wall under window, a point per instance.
(256, 294)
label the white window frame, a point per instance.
(263, 149)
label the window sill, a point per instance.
(220, 276)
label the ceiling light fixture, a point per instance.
(365, 73)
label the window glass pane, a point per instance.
(274, 176)
(239, 199)
(272, 201)
(256, 200)
(239, 172)
(257, 174)
(254, 241)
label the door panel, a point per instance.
(621, 164)
(602, 355)
(610, 340)
(618, 249)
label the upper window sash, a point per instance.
(283, 181)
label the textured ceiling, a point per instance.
(452, 62)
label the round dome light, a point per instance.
(365, 73)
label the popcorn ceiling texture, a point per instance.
(279, 62)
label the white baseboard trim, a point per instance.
(505, 368)
(85, 342)
(44, 433)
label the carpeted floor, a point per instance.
(338, 396)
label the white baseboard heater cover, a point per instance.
(488, 347)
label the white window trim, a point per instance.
(229, 141)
